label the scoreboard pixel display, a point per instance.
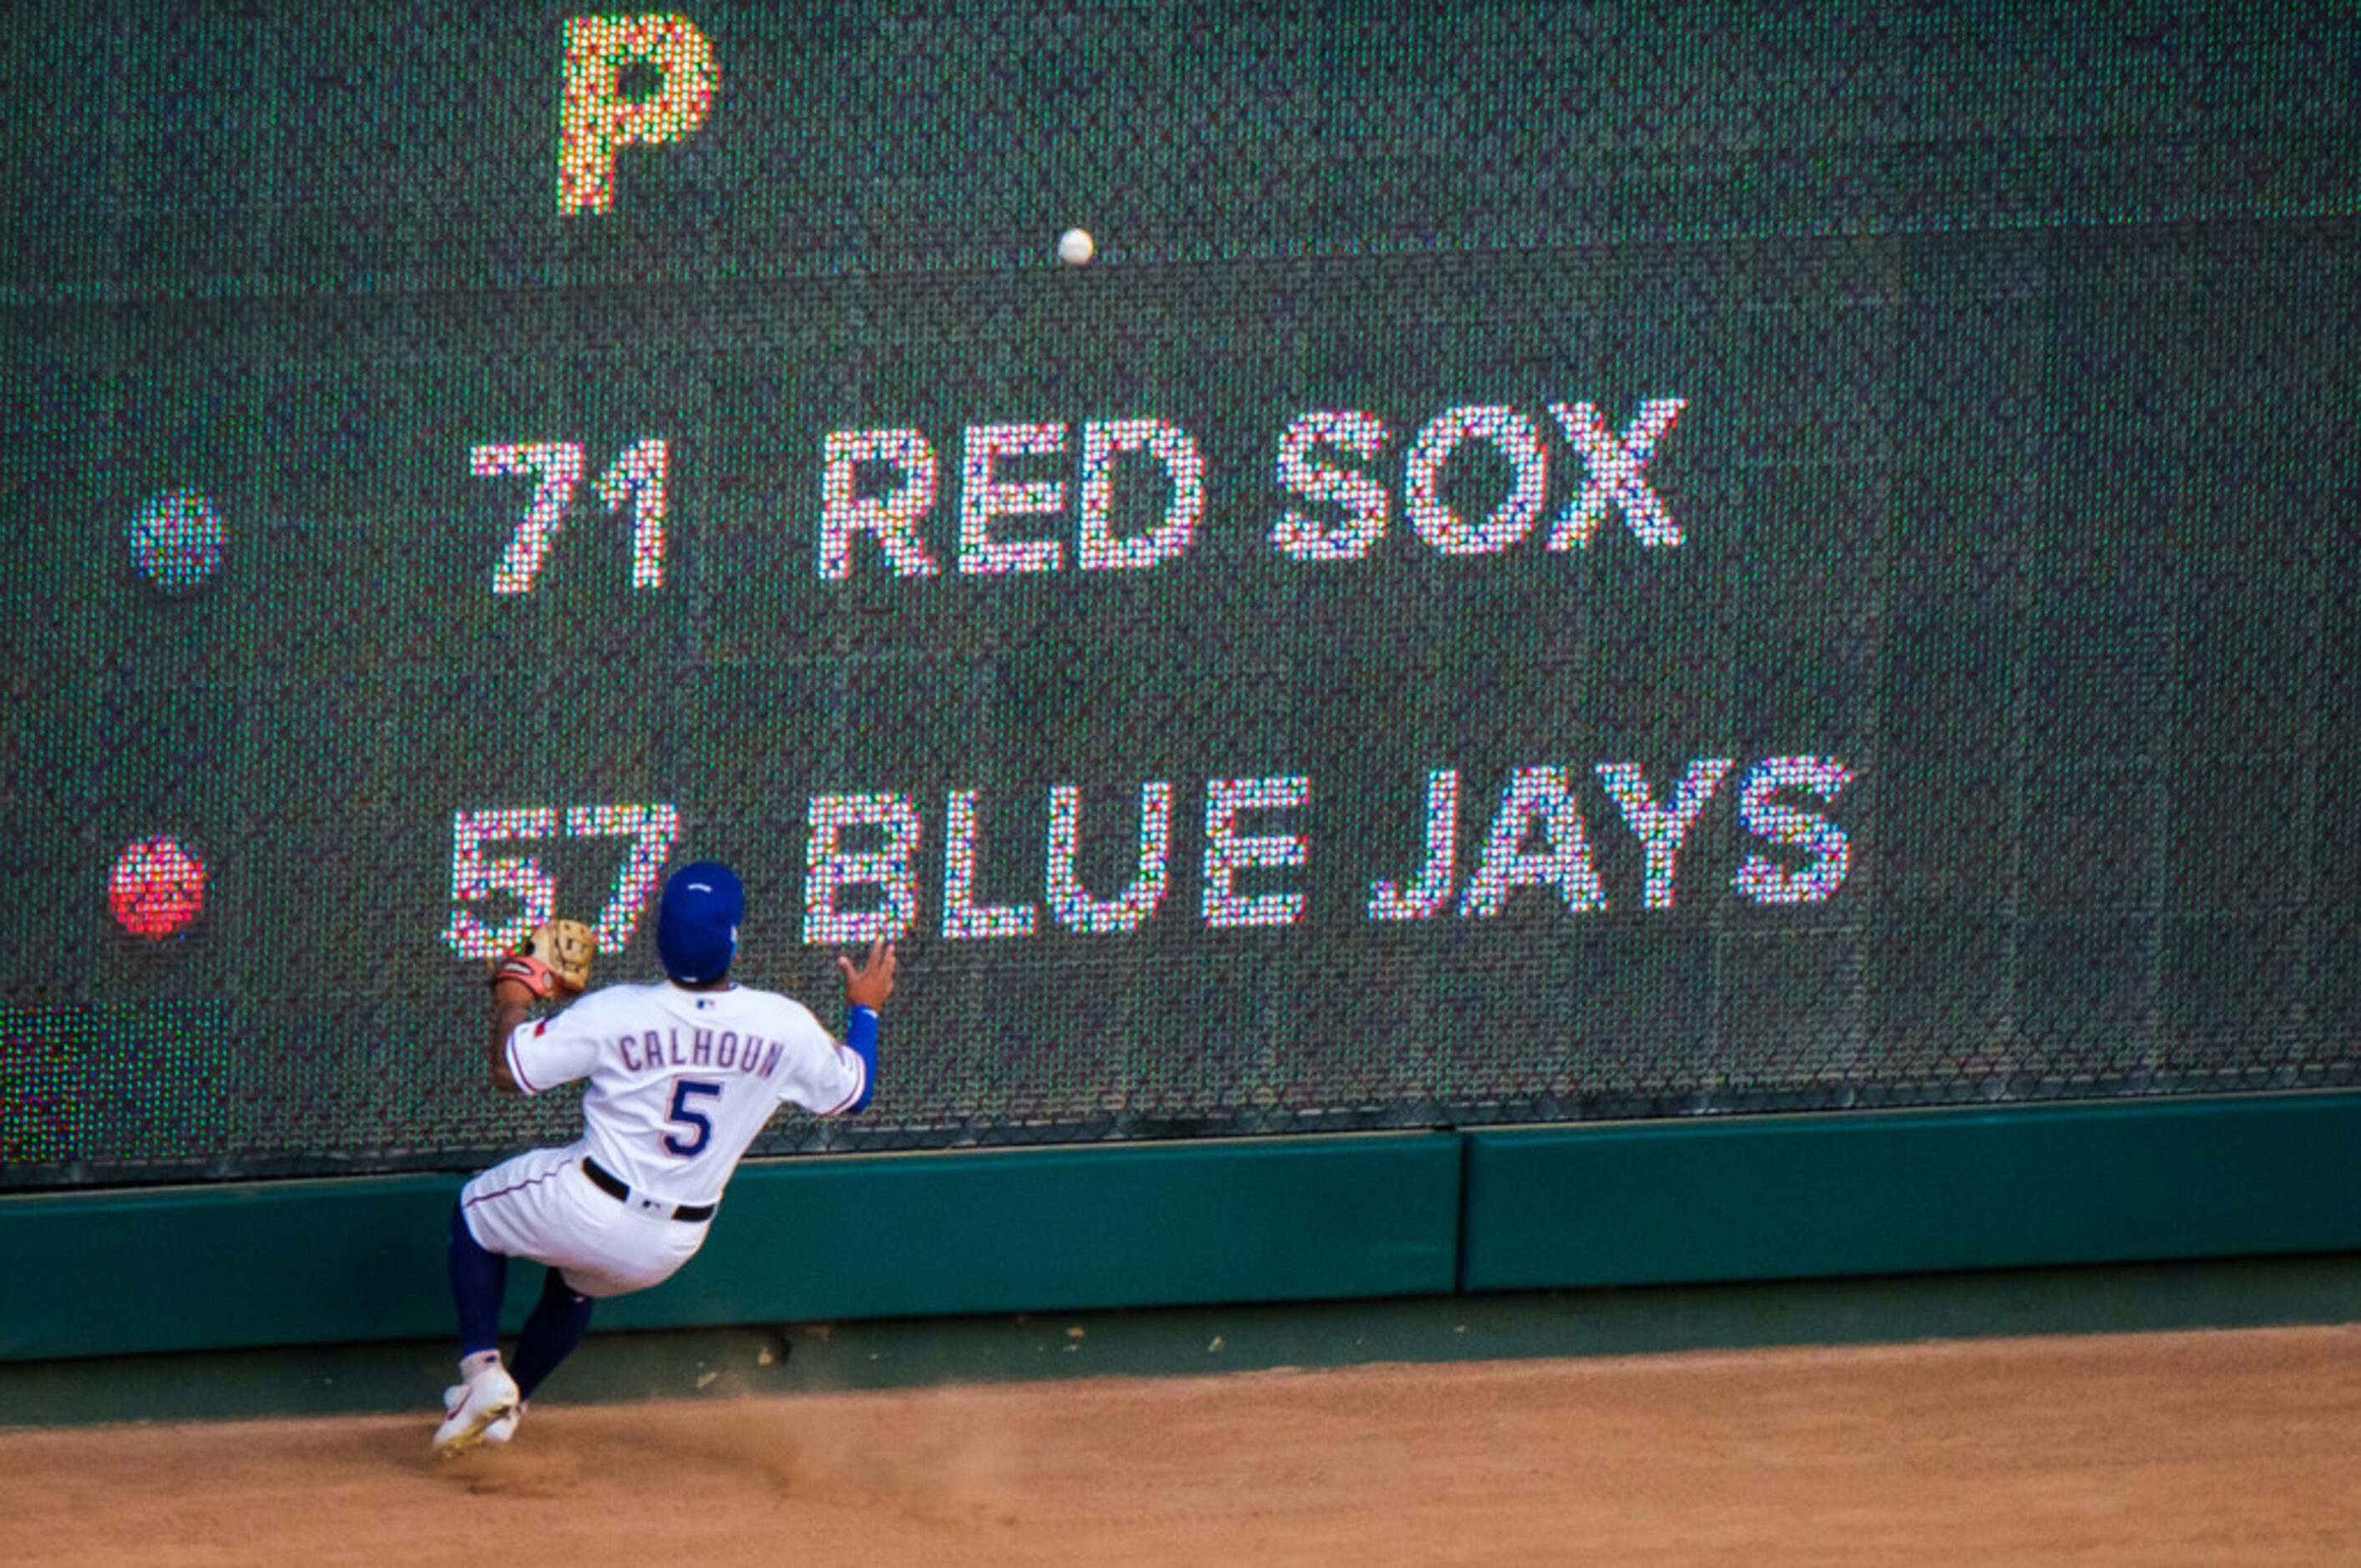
(1548, 563)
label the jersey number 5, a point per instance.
(694, 1141)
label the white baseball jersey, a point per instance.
(682, 1080)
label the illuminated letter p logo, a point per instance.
(597, 119)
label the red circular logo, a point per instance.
(157, 888)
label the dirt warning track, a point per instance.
(2227, 1447)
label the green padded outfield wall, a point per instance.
(800, 1241)
(1235, 1220)
(1552, 564)
(1893, 1192)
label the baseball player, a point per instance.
(683, 1074)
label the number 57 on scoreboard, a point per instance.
(479, 879)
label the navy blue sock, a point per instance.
(478, 1280)
(559, 1321)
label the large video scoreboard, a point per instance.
(1542, 562)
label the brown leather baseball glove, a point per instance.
(554, 962)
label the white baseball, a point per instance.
(1075, 247)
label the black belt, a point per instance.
(612, 1186)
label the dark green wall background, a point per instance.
(2016, 474)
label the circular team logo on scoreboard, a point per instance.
(157, 889)
(176, 542)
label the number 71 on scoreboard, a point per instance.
(634, 482)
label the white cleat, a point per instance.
(505, 1428)
(500, 1431)
(471, 1410)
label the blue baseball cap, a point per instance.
(697, 924)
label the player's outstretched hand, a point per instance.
(869, 983)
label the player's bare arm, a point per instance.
(869, 982)
(512, 1001)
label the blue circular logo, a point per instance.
(176, 542)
